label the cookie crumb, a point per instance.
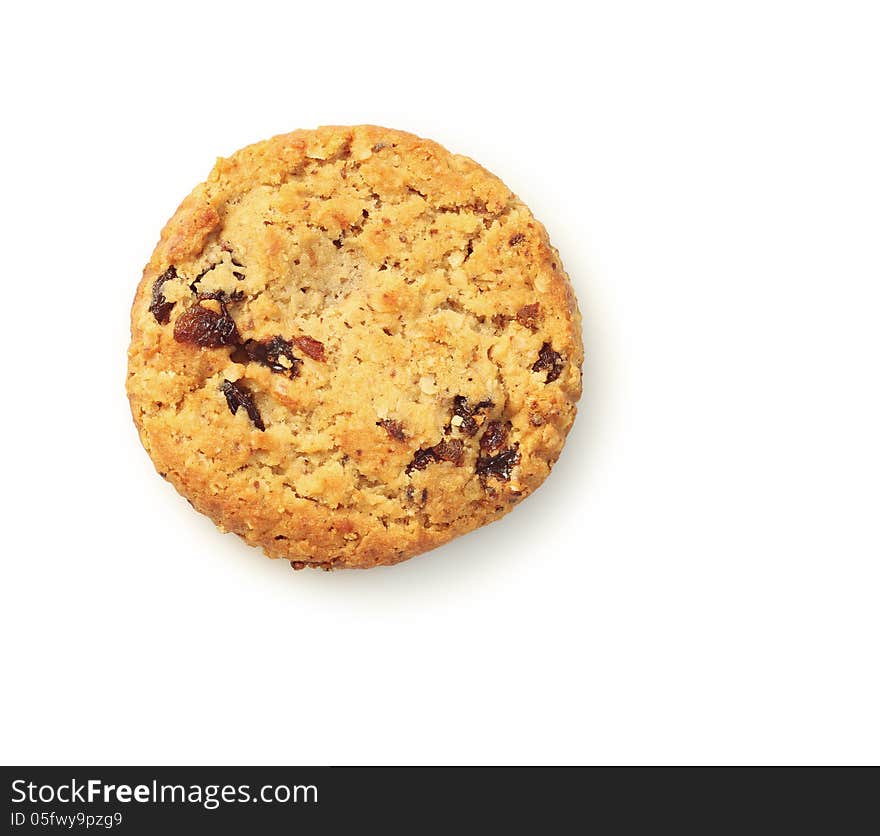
(428, 385)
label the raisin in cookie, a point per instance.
(351, 346)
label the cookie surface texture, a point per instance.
(351, 346)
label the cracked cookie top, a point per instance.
(351, 346)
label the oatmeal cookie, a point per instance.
(350, 346)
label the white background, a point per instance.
(698, 579)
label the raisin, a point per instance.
(205, 327)
(499, 465)
(449, 451)
(550, 361)
(160, 307)
(269, 353)
(500, 321)
(237, 394)
(197, 279)
(311, 347)
(516, 238)
(445, 451)
(460, 407)
(221, 296)
(528, 316)
(238, 276)
(393, 428)
(421, 459)
(494, 438)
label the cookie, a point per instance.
(351, 346)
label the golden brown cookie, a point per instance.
(351, 346)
